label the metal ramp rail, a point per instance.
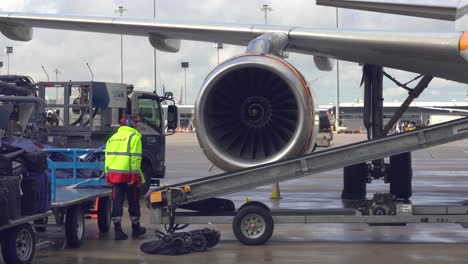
(250, 178)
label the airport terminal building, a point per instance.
(421, 113)
(186, 116)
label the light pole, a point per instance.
(337, 114)
(57, 72)
(48, 79)
(218, 46)
(92, 75)
(275, 192)
(121, 10)
(265, 8)
(155, 76)
(8, 51)
(185, 65)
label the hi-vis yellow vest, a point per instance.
(123, 157)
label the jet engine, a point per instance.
(255, 109)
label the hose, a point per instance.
(93, 116)
(9, 89)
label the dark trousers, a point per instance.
(119, 191)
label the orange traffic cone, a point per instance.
(276, 193)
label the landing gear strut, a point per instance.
(399, 172)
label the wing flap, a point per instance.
(434, 11)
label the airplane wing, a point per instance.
(450, 110)
(439, 54)
(440, 10)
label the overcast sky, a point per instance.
(70, 51)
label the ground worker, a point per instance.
(123, 173)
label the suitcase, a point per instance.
(3, 206)
(11, 186)
(37, 193)
(9, 167)
(35, 161)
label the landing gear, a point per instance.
(399, 172)
(354, 182)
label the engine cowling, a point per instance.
(255, 109)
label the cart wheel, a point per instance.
(253, 225)
(42, 221)
(104, 214)
(199, 243)
(19, 245)
(74, 226)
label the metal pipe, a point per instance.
(26, 99)
(4, 87)
(337, 114)
(154, 55)
(120, 10)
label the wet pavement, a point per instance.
(440, 177)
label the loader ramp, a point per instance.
(330, 159)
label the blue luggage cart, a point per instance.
(75, 198)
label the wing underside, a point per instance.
(436, 53)
(436, 11)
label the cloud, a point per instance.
(70, 51)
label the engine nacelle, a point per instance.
(255, 109)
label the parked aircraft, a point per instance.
(257, 107)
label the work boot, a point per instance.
(119, 234)
(137, 230)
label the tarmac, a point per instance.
(440, 176)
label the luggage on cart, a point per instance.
(8, 166)
(35, 161)
(29, 154)
(3, 205)
(11, 191)
(36, 193)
